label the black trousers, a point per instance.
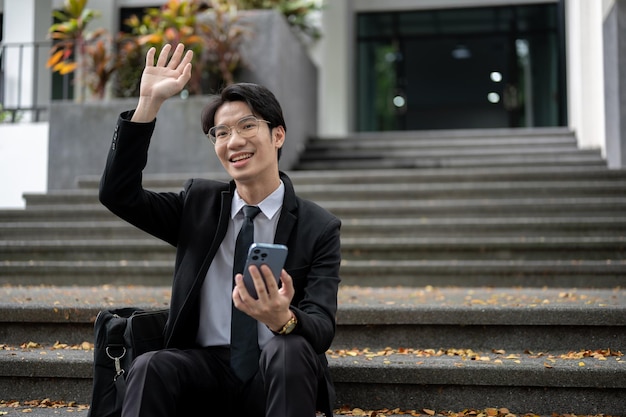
(174, 382)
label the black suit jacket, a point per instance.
(195, 221)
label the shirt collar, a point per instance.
(269, 206)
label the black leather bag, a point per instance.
(120, 336)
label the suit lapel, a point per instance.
(288, 216)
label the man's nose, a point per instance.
(235, 137)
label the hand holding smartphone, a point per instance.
(270, 254)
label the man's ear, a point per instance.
(278, 134)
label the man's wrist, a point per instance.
(146, 110)
(287, 326)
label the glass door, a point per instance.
(487, 67)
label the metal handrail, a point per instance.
(13, 108)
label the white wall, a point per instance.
(23, 161)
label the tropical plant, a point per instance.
(174, 22)
(68, 51)
(132, 60)
(297, 12)
(223, 34)
(100, 62)
(213, 30)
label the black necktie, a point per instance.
(244, 346)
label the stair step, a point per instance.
(389, 350)
(484, 248)
(493, 226)
(451, 143)
(146, 248)
(351, 227)
(90, 212)
(454, 383)
(64, 229)
(422, 317)
(401, 380)
(12, 410)
(399, 176)
(551, 273)
(528, 135)
(81, 410)
(517, 207)
(446, 152)
(374, 191)
(353, 248)
(373, 161)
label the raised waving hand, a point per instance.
(161, 80)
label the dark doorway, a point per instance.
(486, 67)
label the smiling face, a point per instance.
(251, 162)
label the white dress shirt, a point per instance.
(216, 293)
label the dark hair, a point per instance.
(261, 101)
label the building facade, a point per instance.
(584, 57)
(417, 64)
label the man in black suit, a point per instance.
(295, 320)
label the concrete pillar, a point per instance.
(336, 57)
(615, 84)
(585, 72)
(26, 78)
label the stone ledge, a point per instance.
(412, 367)
(357, 305)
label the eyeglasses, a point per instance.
(246, 128)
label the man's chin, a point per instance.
(241, 177)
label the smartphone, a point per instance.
(270, 254)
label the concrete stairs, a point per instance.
(448, 149)
(480, 269)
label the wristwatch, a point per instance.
(289, 326)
